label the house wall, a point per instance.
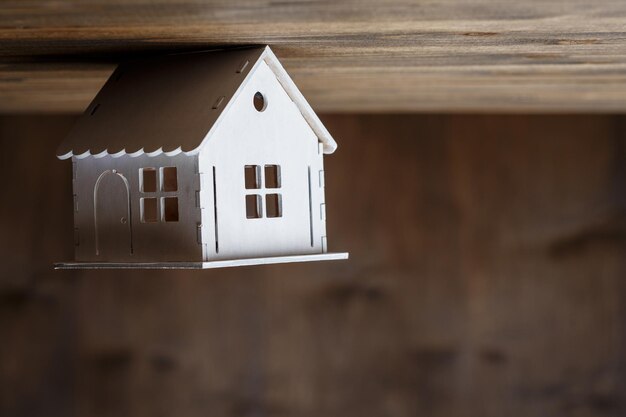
(277, 135)
(153, 241)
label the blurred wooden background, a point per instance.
(487, 278)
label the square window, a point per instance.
(252, 177)
(170, 209)
(149, 210)
(170, 180)
(272, 176)
(273, 205)
(148, 180)
(253, 206)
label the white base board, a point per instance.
(203, 265)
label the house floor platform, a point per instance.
(203, 265)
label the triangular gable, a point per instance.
(296, 96)
(170, 104)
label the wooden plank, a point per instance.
(539, 56)
(486, 278)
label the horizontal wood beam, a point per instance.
(532, 56)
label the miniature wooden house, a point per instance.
(199, 160)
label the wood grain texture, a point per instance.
(366, 55)
(486, 279)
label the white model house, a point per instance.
(199, 160)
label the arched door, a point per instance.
(112, 217)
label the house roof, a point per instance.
(169, 104)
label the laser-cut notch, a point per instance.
(252, 177)
(273, 205)
(170, 209)
(149, 210)
(170, 179)
(272, 176)
(148, 180)
(259, 101)
(253, 206)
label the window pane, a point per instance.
(149, 210)
(272, 176)
(252, 175)
(170, 181)
(148, 180)
(170, 209)
(253, 206)
(273, 205)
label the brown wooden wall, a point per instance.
(487, 278)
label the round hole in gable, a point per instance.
(260, 103)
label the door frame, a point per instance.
(129, 216)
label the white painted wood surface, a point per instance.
(205, 265)
(281, 136)
(172, 241)
(142, 119)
